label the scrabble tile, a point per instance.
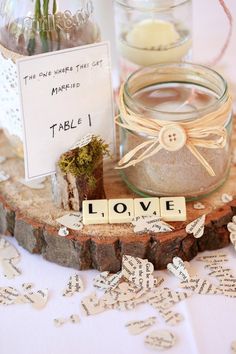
(173, 208)
(146, 206)
(120, 210)
(95, 211)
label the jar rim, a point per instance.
(179, 65)
(155, 8)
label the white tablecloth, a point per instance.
(210, 321)
(208, 327)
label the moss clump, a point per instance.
(82, 162)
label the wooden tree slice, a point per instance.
(30, 216)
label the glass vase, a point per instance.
(30, 27)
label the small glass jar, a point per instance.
(178, 95)
(30, 27)
(152, 32)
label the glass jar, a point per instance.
(30, 27)
(152, 32)
(185, 115)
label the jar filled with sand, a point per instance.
(176, 122)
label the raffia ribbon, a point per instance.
(9, 54)
(207, 132)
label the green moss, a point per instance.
(81, 162)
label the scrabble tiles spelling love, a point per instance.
(116, 211)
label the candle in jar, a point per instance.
(154, 41)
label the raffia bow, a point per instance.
(206, 132)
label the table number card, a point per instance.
(64, 96)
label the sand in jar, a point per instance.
(174, 173)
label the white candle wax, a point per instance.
(154, 41)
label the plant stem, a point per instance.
(54, 11)
(43, 32)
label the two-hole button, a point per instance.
(172, 137)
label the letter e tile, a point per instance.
(173, 209)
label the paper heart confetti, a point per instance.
(38, 299)
(167, 298)
(177, 267)
(91, 305)
(150, 224)
(58, 322)
(139, 271)
(10, 296)
(199, 206)
(83, 142)
(232, 231)
(27, 286)
(75, 285)
(137, 327)
(226, 198)
(9, 258)
(34, 184)
(171, 318)
(122, 293)
(72, 221)
(232, 225)
(143, 277)
(213, 258)
(3, 176)
(200, 286)
(74, 318)
(160, 340)
(196, 227)
(232, 238)
(10, 270)
(63, 231)
(105, 281)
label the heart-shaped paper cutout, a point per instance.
(74, 285)
(231, 227)
(137, 327)
(160, 340)
(232, 237)
(150, 224)
(143, 276)
(177, 268)
(63, 231)
(83, 142)
(199, 206)
(139, 271)
(226, 198)
(72, 220)
(196, 227)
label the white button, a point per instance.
(172, 137)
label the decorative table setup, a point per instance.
(116, 208)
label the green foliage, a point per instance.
(81, 162)
(41, 12)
